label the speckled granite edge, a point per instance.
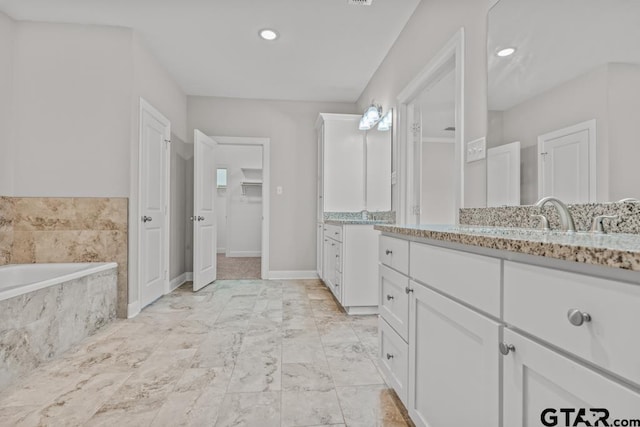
(603, 256)
(628, 220)
(357, 221)
(387, 216)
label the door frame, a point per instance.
(266, 194)
(428, 76)
(590, 127)
(145, 106)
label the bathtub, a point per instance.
(18, 279)
(46, 309)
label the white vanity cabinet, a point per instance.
(340, 164)
(488, 341)
(350, 251)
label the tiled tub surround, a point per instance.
(628, 220)
(42, 324)
(611, 250)
(7, 214)
(44, 230)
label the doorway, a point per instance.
(239, 199)
(153, 202)
(431, 135)
(236, 178)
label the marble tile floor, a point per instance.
(237, 353)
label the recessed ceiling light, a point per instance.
(507, 51)
(268, 34)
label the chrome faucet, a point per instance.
(629, 200)
(566, 221)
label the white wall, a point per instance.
(433, 24)
(7, 33)
(239, 217)
(72, 87)
(290, 125)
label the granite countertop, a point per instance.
(613, 250)
(350, 221)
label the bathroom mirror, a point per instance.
(569, 95)
(377, 162)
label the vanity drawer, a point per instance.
(394, 253)
(537, 300)
(333, 232)
(474, 279)
(394, 300)
(394, 359)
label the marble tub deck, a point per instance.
(237, 353)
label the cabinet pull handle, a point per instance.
(336, 233)
(408, 290)
(389, 356)
(333, 244)
(577, 317)
(389, 297)
(388, 252)
(337, 256)
(506, 348)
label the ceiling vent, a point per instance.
(361, 2)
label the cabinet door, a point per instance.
(378, 171)
(453, 363)
(327, 270)
(319, 249)
(343, 169)
(538, 382)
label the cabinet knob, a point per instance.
(408, 290)
(577, 317)
(389, 356)
(388, 252)
(506, 348)
(336, 233)
(389, 297)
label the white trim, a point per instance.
(436, 140)
(266, 189)
(133, 309)
(147, 107)
(178, 281)
(590, 127)
(244, 254)
(221, 250)
(296, 274)
(189, 276)
(453, 50)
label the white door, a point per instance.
(567, 163)
(155, 131)
(503, 175)
(538, 382)
(453, 363)
(204, 214)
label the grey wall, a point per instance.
(290, 125)
(7, 34)
(72, 87)
(433, 24)
(181, 155)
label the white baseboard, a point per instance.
(297, 274)
(222, 250)
(247, 254)
(177, 282)
(189, 276)
(133, 309)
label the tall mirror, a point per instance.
(563, 101)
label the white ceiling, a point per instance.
(328, 50)
(557, 40)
